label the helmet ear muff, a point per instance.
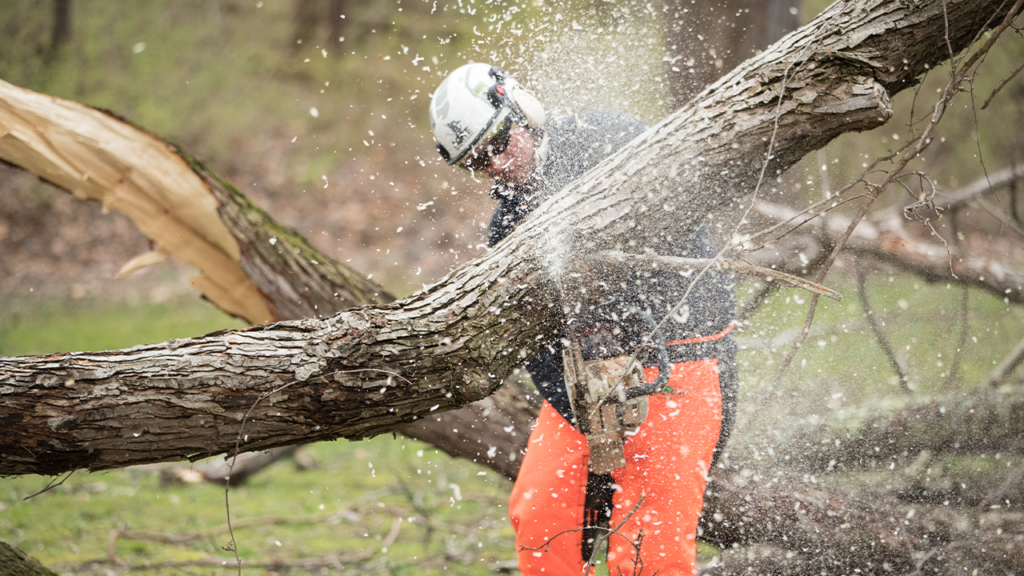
(531, 108)
(507, 88)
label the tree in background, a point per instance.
(707, 39)
(61, 26)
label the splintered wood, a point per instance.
(98, 157)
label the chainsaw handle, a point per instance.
(661, 356)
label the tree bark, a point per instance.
(375, 368)
(366, 372)
(16, 563)
(815, 527)
(250, 265)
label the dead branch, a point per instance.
(840, 532)
(991, 184)
(616, 263)
(885, 238)
(699, 158)
(1002, 372)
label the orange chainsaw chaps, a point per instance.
(667, 462)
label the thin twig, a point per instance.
(958, 357)
(998, 214)
(546, 546)
(832, 206)
(876, 328)
(232, 545)
(814, 297)
(1001, 85)
(757, 187)
(636, 546)
(50, 486)
(1013, 480)
(739, 266)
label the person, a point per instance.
(486, 122)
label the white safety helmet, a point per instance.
(477, 102)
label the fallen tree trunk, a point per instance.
(814, 528)
(981, 420)
(236, 470)
(962, 480)
(366, 372)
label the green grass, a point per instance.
(91, 325)
(222, 79)
(346, 505)
(841, 363)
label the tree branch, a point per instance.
(885, 239)
(1005, 368)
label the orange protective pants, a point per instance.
(667, 461)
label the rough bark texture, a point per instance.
(14, 562)
(822, 529)
(365, 372)
(298, 281)
(354, 375)
(292, 279)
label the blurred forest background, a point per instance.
(317, 110)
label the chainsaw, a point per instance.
(608, 390)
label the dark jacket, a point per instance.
(576, 145)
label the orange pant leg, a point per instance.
(667, 461)
(546, 505)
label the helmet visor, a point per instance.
(495, 143)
